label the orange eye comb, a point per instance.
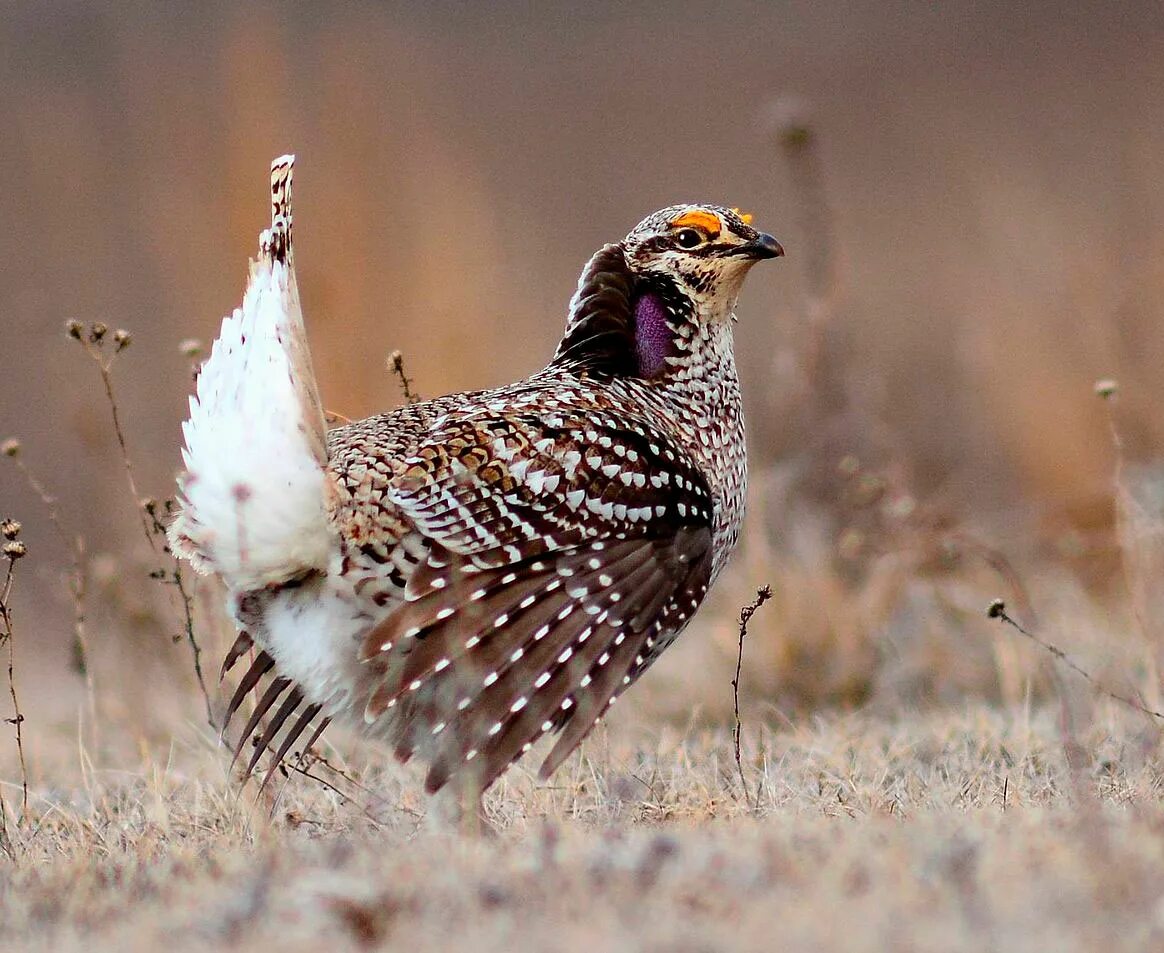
(707, 222)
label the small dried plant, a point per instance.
(103, 348)
(12, 550)
(763, 594)
(77, 577)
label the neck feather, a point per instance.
(625, 325)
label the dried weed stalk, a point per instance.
(78, 576)
(763, 594)
(303, 763)
(12, 550)
(1137, 523)
(997, 610)
(94, 339)
(396, 366)
(174, 578)
(1126, 513)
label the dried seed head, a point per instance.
(900, 507)
(10, 529)
(97, 332)
(14, 550)
(790, 119)
(395, 361)
(851, 544)
(122, 339)
(996, 609)
(10, 448)
(869, 489)
(73, 328)
(1106, 388)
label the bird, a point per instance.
(461, 576)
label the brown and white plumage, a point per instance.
(461, 576)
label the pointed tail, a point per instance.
(253, 497)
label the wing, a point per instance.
(566, 549)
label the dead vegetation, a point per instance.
(953, 831)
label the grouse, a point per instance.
(460, 576)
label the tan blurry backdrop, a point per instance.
(994, 170)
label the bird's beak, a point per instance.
(760, 247)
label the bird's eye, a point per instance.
(688, 238)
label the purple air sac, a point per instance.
(654, 339)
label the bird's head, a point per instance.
(703, 250)
(644, 303)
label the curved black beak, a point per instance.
(760, 247)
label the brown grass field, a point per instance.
(970, 201)
(981, 829)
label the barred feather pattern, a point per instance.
(507, 562)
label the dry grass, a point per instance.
(963, 831)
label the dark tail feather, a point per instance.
(319, 729)
(241, 645)
(259, 667)
(288, 740)
(274, 690)
(290, 703)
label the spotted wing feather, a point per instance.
(556, 543)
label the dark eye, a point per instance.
(688, 238)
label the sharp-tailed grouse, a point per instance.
(461, 576)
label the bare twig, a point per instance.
(763, 594)
(195, 648)
(997, 610)
(304, 761)
(187, 603)
(343, 796)
(94, 344)
(792, 122)
(6, 844)
(396, 366)
(13, 549)
(5, 838)
(78, 577)
(93, 340)
(1125, 508)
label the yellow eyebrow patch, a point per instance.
(745, 217)
(698, 218)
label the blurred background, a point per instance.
(969, 194)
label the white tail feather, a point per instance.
(253, 497)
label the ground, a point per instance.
(981, 828)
